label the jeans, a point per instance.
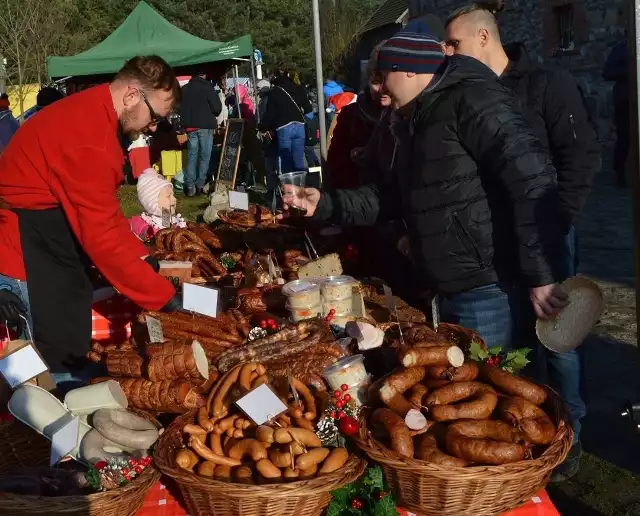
(563, 370)
(490, 310)
(311, 157)
(19, 288)
(291, 139)
(199, 147)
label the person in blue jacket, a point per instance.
(8, 124)
(616, 69)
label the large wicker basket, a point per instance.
(206, 497)
(428, 488)
(20, 446)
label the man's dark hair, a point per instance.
(48, 95)
(491, 6)
(152, 72)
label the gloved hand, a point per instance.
(174, 304)
(153, 262)
(11, 308)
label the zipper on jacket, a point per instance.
(466, 236)
(573, 127)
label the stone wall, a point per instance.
(597, 25)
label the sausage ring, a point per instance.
(534, 422)
(467, 372)
(485, 442)
(462, 400)
(512, 384)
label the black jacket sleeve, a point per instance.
(214, 101)
(363, 206)
(573, 142)
(494, 130)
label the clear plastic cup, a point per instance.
(292, 185)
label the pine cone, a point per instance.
(110, 480)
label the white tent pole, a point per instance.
(237, 88)
(319, 79)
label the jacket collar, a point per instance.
(520, 64)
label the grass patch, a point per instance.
(599, 489)
(189, 207)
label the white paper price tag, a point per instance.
(238, 200)
(261, 405)
(391, 304)
(203, 300)
(64, 440)
(22, 365)
(155, 329)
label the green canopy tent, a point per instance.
(146, 32)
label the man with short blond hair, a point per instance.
(61, 213)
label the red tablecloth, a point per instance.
(161, 502)
(111, 319)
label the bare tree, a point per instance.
(340, 21)
(17, 22)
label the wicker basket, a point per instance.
(20, 446)
(428, 488)
(205, 497)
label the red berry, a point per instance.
(333, 414)
(332, 311)
(337, 395)
(357, 504)
(133, 462)
(138, 470)
(263, 324)
(349, 426)
(100, 465)
(344, 387)
(341, 415)
(125, 471)
(347, 397)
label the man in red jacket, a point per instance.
(59, 213)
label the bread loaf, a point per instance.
(165, 396)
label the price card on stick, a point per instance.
(203, 300)
(238, 200)
(21, 363)
(388, 295)
(154, 327)
(64, 440)
(166, 218)
(261, 404)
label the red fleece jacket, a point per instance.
(70, 156)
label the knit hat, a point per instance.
(412, 49)
(149, 185)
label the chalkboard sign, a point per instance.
(230, 156)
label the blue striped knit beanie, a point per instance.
(412, 49)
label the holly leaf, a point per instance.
(343, 495)
(476, 352)
(516, 360)
(385, 507)
(374, 478)
(335, 508)
(495, 350)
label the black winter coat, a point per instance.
(475, 186)
(200, 105)
(555, 109)
(287, 103)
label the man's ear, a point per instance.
(130, 97)
(483, 34)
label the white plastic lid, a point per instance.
(296, 287)
(336, 280)
(344, 363)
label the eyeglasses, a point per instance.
(155, 117)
